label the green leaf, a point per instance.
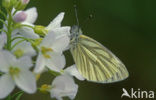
(54, 72)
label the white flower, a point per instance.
(16, 72)
(31, 16)
(52, 46)
(23, 49)
(63, 86)
(55, 26)
(50, 54)
(72, 71)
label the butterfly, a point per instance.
(94, 61)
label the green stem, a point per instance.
(54, 73)
(23, 39)
(9, 31)
(15, 12)
(18, 38)
(22, 25)
(17, 44)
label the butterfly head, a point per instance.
(75, 31)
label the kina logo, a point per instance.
(135, 94)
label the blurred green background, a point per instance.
(126, 27)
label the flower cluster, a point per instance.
(28, 50)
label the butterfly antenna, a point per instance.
(76, 14)
(87, 19)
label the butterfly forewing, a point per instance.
(96, 63)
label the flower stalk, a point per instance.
(9, 28)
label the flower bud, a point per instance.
(9, 4)
(25, 1)
(21, 4)
(6, 3)
(45, 88)
(40, 30)
(20, 16)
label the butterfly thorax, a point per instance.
(75, 34)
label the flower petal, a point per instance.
(64, 86)
(72, 70)
(6, 60)
(3, 40)
(26, 81)
(62, 31)
(6, 85)
(28, 32)
(56, 62)
(13, 10)
(25, 47)
(24, 62)
(61, 43)
(56, 22)
(31, 15)
(14, 32)
(20, 16)
(40, 64)
(48, 40)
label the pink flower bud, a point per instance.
(25, 1)
(20, 16)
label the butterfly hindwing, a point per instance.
(96, 63)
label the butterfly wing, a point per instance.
(96, 63)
